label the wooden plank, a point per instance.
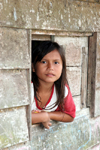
(77, 101)
(74, 80)
(89, 1)
(13, 49)
(62, 136)
(84, 78)
(40, 37)
(19, 146)
(73, 49)
(59, 33)
(13, 127)
(13, 88)
(28, 107)
(97, 80)
(92, 72)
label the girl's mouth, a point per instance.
(50, 75)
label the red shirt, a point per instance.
(69, 106)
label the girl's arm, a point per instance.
(60, 116)
(41, 117)
(44, 118)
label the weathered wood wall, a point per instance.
(72, 22)
(14, 86)
(51, 15)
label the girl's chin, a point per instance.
(49, 81)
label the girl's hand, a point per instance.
(47, 124)
(41, 117)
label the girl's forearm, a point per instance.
(60, 116)
(40, 117)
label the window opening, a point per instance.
(35, 43)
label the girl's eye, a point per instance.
(44, 62)
(56, 62)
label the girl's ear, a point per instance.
(33, 68)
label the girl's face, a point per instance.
(49, 69)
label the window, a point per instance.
(76, 50)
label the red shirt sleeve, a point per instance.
(69, 105)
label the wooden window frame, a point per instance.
(41, 35)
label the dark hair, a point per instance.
(38, 53)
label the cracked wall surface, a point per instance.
(71, 15)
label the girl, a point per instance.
(52, 99)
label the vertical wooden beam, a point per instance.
(92, 72)
(28, 107)
(84, 77)
(52, 38)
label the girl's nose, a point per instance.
(50, 65)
